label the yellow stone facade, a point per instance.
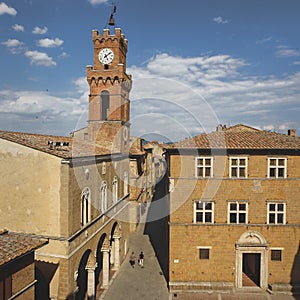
(229, 244)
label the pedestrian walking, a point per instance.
(132, 259)
(141, 259)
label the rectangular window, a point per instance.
(238, 167)
(276, 213)
(277, 168)
(204, 253)
(276, 255)
(237, 212)
(204, 167)
(203, 212)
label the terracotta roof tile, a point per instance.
(64, 147)
(13, 245)
(240, 138)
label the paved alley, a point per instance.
(138, 283)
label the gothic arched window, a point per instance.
(126, 181)
(103, 197)
(85, 206)
(115, 190)
(105, 98)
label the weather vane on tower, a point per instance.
(111, 21)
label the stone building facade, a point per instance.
(74, 191)
(234, 211)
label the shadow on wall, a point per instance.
(44, 273)
(157, 229)
(295, 274)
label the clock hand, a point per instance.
(105, 56)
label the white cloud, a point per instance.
(50, 43)
(43, 112)
(216, 91)
(93, 2)
(5, 9)
(40, 58)
(264, 40)
(35, 102)
(39, 111)
(284, 51)
(39, 30)
(220, 20)
(18, 27)
(15, 46)
(12, 43)
(63, 55)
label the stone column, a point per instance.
(105, 270)
(91, 284)
(117, 252)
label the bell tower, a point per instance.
(110, 85)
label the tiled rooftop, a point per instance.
(13, 245)
(64, 147)
(240, 137)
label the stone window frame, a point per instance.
(276, 252)
(103, 196)
(85, 206)
(125, 183)
(203, 211)
(276, 212)
(115, 187)
(238, 166)
(277, 167)
(204, 166)
(204, 252)
(238, 211)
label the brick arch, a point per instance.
(81, 276)
(115, 236)
(99, 257)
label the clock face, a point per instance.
(106, 56)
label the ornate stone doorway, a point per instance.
(251, 261)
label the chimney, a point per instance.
(292, 132)
(219, 128)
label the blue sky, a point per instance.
(194, 63)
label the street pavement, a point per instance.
(138, 283)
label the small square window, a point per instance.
(276, 255)
(204, 253)
(277, 168)
(276, 213)
(237, 212)
(204, 167)
(203, 212)
(238, 167)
